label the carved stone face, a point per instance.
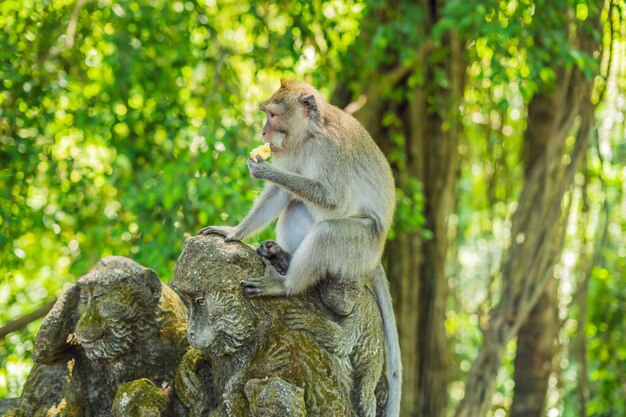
(115, 308)
(208, 277)
(109, 317)
(217, 323)
(341, 296)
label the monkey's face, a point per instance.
(341, 296)
(112, 317)
(291, 115)
(217, 323)
(276, 129)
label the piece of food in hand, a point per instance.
(262, 151)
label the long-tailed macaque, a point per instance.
(333, 193)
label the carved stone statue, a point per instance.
(114, 344)
(358, 324)
(319, 354)
(109, 346)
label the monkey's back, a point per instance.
(358, 168)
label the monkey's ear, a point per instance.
(51, 341)
(310, 105)
(153, 283)
(283, 83)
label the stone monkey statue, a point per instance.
(243, 340)
(117, 324)
(354, 321)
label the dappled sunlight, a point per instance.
(125, 127)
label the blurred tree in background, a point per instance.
(125, 126)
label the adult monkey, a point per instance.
(334, 194)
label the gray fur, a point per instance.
(325, 168)
(392, 342)
(294, 223)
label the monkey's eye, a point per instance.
(271, 115)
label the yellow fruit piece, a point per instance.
(262, 151)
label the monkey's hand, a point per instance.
(328, 333)
(272, 283)
(189, 388)
(296, 320)
(228, 232)
(276, 358)
(259, 168)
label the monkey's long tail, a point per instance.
(392, 342)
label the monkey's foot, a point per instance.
(263, 286)
(276, 255)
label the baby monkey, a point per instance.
(354, 331)
(333, 193)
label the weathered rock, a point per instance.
(267, 355)
(274, 397)
(140, 398)
(111, 344)
(8, 403)
(117, 324)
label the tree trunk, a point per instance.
(536, 239)
(429, 154)
(536, 347)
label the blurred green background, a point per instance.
(125, 127)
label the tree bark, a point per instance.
(536, 347)
(416, 266)
(536, 240)
(24, 321)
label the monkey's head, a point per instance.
(293, 114)
(341, 294)
(207, 276)
(118, 304)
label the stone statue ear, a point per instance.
(153, 282)
(52, 339)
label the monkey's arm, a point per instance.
(265, 209)
(326, 332)
(307, 189)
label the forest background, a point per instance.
(125, 127)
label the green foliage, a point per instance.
(410, 210)
(606, 300)
(521, 42)
(606, 333)
(125, 126)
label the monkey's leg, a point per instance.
(293, 225)
(341, 247)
